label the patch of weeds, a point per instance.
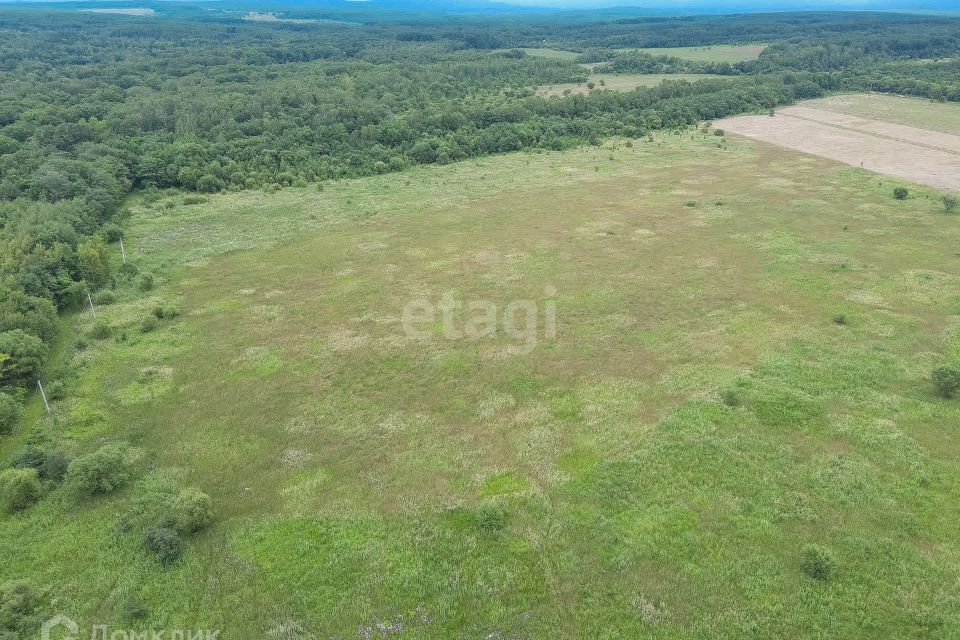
(100, 331)
(840, 319)
(817, 562)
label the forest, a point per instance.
(96, 106)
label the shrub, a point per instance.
(20, 488)
(54, 467)
(840, 319)
(191, 511)
(149, 324)
(36, 316)
(489, 518)
(21, 356)
(165, 311)
(901, 193)
(100, 331)
(950, 203)
(102, 471)
(947, 381)
(105, 297)
(18, 601)
(194, 199)
(111, 232)
(719, 133)
(817, 562)
(146, 282)
(731, 398)
(164, 543)
(132, 609)
(9, 412)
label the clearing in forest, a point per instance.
(740, 367)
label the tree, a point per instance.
(93, 258)
(900, 193)
(817, 562)
(20, 488)
(9, 412)
(21, 356)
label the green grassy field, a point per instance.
(714, 53)
(620, 82)
(652, 470)
(915, 112)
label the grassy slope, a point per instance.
(353, 470)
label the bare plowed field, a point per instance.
(920, 155)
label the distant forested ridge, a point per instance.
(94, 106)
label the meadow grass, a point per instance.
(712, 53)
(914, 112)
(653, 470)
(619, 82)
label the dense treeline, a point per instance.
(94, 106)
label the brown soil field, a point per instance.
(920, 155)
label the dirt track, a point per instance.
(919, 155)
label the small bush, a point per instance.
(133, 609)
(111, 232)
(149, 324)
(191, 511)
(731, 398)
(901, 193)
(9, 413)
(20, 488)
(164, 543)
(105, 297)
(54, 467)
(490, 518)
(719, 133)
(100, 331)
(195, 199)
(817, 562)
(145, 283)
(840, 319)
(950, 203)
(947, 381)
(102, 471)
(18, 602)
(165, 312)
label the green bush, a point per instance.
(947, 381)
(191, 511)
(840, 319)
(146, 282)
(817, 562)
(105, 297)
(102, 471)
(18, 602)
(730, 397)
(950, 202)
(100, 331)
(20, 488)
(195, 199)
(489, 518)
(21, 356)
(167, 312)
(111, 232)
(164, 543)
(9, 413)
(149, 324)
(50, 465)
(901, 193)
